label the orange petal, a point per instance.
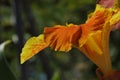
(93, 24)
(32, 47)
(60, 37)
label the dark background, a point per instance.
(22, 19)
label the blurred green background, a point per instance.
(22, 19)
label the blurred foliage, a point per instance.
(5, 71)
(52, 12)
(65, 66)
(4, 65)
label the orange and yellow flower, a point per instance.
(92, 38)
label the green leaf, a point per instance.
(56, 75)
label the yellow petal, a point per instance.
(105, 44)
(95, 38)
(93, 49)
(99, 8)
(32, 47)
(115, 18)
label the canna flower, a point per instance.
(92, 38)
